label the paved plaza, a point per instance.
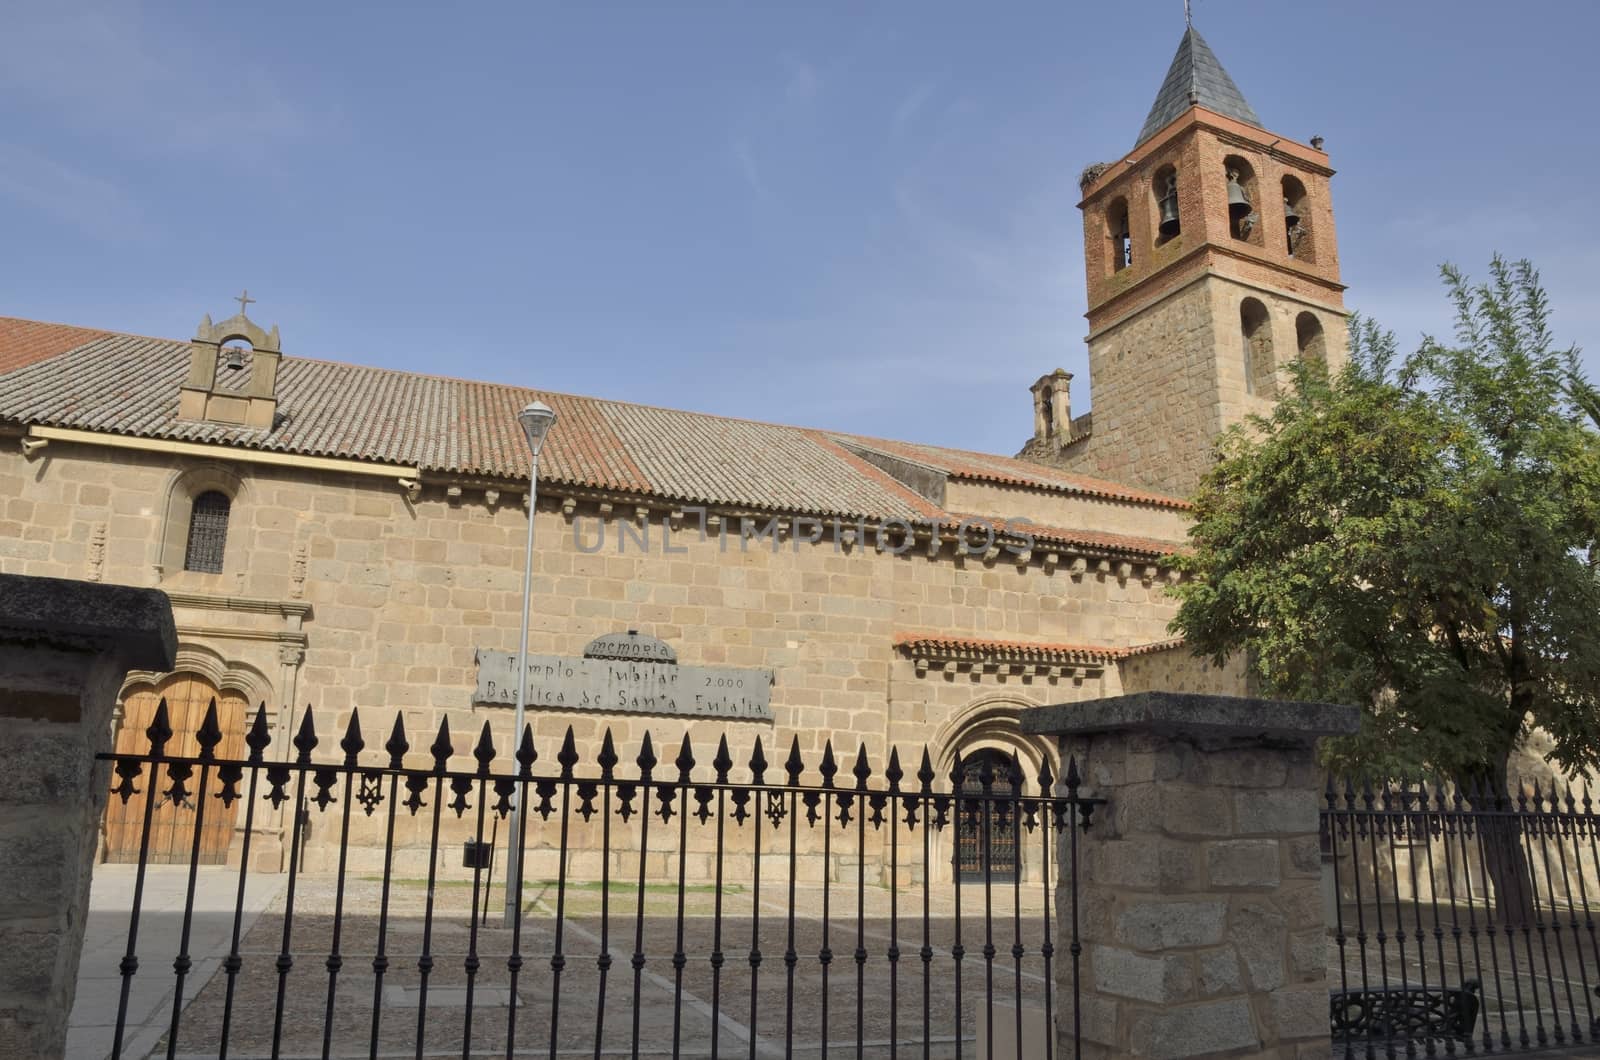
(767, 1019)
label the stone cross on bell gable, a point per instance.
(243, 299)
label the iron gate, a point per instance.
(1461, 918)
(669, 892)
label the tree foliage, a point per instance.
(1417, 535)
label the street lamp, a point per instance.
(536, 419)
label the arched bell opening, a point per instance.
(1164, 188)
(1119, 234)
(1244, 218)
(1297, 222)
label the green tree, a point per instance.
(1416, 535)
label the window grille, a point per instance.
(1001, 857)
(208, 533)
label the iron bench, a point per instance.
(1405, 1014)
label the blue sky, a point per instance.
(846, 215)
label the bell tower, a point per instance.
(1211, 264)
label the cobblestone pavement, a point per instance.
(772, 1018)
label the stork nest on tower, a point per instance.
(1092, 172)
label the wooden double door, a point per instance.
(172, 824)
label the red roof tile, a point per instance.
(988, 467)
(123, 384)
(25, 342)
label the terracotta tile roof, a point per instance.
(25, 342)
(1009, 471)
(934, 644)
(1127, 543)
(1158, 646)
(938, 645)
(100, 381)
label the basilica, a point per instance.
(343, 538)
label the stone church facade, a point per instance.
(352, 538)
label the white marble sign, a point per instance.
(626, 686)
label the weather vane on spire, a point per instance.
(1188, 13)
(244, 298)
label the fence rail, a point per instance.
(675, 887)
(1462, 920)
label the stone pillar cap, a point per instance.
(1192, 712)
(134, 624)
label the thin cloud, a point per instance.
(804, 81)
(910, 106)
(750, 169)
(99, 207)
(161, 93)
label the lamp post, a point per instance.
(536, 419)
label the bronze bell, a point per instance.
(1238, 202)
(1291, 216)
(1169, 209)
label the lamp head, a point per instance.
(536, 420)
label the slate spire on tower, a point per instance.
(1196, 79)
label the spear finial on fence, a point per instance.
(568, 755)
(925, 773)
(894, 774)
(794, 766)
(1046, 780)
(527, 754)
(608, 755)
(258, 738)
(398, 745)
(441, 748)
(352, 744)
(829, 768)
(647, 757)
(723, 761)
(685, 760)
(159, 730)
(305, 741)
(758, 764)
(210, 733)
(484, 751)
(862, 770)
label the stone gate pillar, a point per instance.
(65, 648)
(1200, 883)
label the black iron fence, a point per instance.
(1461, 919)
(682, 908)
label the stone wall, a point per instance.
(1177, 669)
(341, 592)
(65, 649)
(1199, 887)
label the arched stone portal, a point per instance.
(986, 731)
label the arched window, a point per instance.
(1118, 233)
(1259, 368)
(1310, 342)
(208, 532)
(978, 816)
(1165, 189)
(1296, 222)
(1244, 219)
